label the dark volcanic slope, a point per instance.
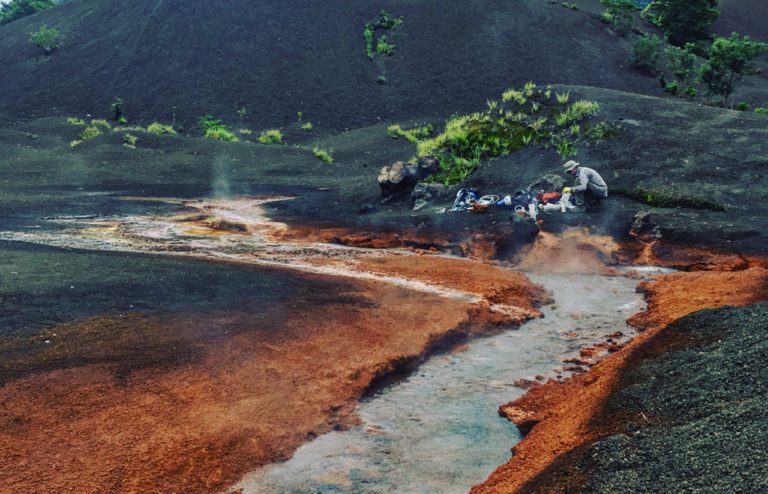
(690, 420)
(278, 57)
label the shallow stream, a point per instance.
(438, 430)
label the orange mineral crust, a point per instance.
(138, 403)
(560, 415)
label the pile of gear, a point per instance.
(524, 204)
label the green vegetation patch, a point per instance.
(16, 9)
(160, 129)
(323, 154)
(383, 22)
(99, 122)
(411, 135)
(307, 127)
(271, 136)
(668, 197)
(47, 38)
(75, 121)
(129, 141)
(220, 134)
(620, 13)
(523, 117)
(214, 128)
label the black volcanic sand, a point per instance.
(43, 288)
(188, 58)
(689, 419)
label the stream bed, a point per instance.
(438, 430)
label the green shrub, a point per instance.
(506, 128)
(412, 135)
(16, 9)
(99, 122)
(245, 132)
(682, 63)
(271, 136)
(90, 132)
(75, 121)
(729, 59)
(46, 38)
(384, 47)
(322, 154)
(368, 36)
(209, 122)
(383, 22)
(620, 13)
(117, 111)
(214, 128)
(761, 110)
(220, 134)
(742, 106)
(647, 51)
(129, 141)
(160, 129)
(307, 127)
(683, 21)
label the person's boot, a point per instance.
(578, 203)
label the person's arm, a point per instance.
(580, 184)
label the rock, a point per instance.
(643, 228)
(524, 420)
(423, 194)
(526, 383)
(547, 183)
(399, 179)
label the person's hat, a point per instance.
(570, 165)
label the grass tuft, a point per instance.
(90, 132)
(129, 141)
(98, 122)
(160, 129)
(271, 136)
(75, 121)
(323, 154)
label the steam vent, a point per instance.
(433, 247)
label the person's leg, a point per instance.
(577, 198)
(594, 197)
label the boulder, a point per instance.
(547, 183)
(399, 179)
(644, 228)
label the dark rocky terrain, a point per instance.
(174, 61)
(689, 411)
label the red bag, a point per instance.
(550, 196)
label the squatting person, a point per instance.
(587, 185)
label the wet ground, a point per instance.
(439, 430)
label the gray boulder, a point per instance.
(399, 179)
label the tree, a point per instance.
(46, 38)
(682, 63)
(17, 9)
(621, 14)
(683, 21)
(646, 52)
(729, 59)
